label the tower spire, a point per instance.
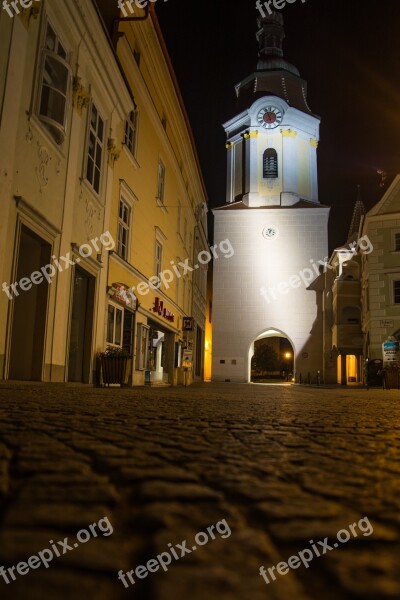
(358, 213)
(270, 36)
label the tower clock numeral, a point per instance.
(269, 117)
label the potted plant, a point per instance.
(114, 362)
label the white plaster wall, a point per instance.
(240, 312)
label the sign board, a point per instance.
(124, 295)
(391, 352)
(160, 309)
(188, 356)
(387, 323)
(187, 324)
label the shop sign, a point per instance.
(187, 324)
(124, 296)
(391, 351)
(162, 311)
(187, 359)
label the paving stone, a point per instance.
(282, 466)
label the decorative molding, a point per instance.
(29, 13)
(80, 97)
(113, 152)
(41, 169)
(288, 133)
(250, 135)
(29, 135)
(91, 213)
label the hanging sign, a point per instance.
(187, 324)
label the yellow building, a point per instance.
(99, 186)
(156, 286)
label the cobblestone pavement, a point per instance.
(282, 465)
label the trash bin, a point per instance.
(374, 373)
(391, 378)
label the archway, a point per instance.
(271, 358)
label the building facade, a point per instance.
(93, 184)
(156, 299)
(273, 218)
(380, 275)
(359, 292)
(339, 291)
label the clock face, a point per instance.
(270, 117)
(270, 232)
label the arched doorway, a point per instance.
(271, 358)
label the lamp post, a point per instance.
(287, 356)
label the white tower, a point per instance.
(272, 217)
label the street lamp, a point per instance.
(288, 356)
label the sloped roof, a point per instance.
(280, 83)
(242, 206)
(390, 203)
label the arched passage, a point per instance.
(271, 358)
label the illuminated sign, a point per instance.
(163, 312)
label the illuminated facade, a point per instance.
(158, 215)
(99, 167)
(272, 217)
(359, 294)
(61, 97)
(380, 284)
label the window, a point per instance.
(185, 232)
(158, 259)
(184, 295)
(130, 131)
(397, 242)
(114, 325)
(270, 164)
(124, 219)
(396, 292)
(161, 181)
(179, 217)
(54, 86)
(95, 149)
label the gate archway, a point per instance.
(271, 358)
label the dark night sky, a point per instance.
(347, 50)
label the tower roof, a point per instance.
(274, 75)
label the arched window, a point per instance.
(270, 164)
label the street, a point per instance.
(277, 466)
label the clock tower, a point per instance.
(272, 217)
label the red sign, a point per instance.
(163, 312)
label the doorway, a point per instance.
(272, 359)
(81, 330)
(28, 329)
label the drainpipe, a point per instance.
(119, 20)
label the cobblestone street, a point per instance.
(282, 465)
